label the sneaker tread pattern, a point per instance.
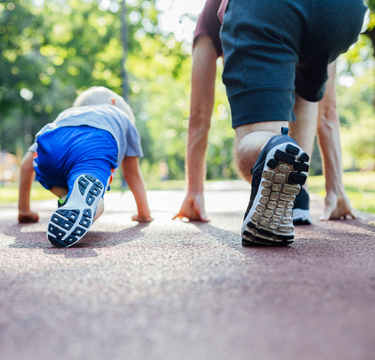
(68, 226)
(271, 222)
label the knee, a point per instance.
(244, 161)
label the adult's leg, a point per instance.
(303, 130)
(321, 48)
(259, 75)
(249, 142)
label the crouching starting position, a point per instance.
(276, 56)
(75, 156)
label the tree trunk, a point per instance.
(124, 41)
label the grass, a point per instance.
(360, 187)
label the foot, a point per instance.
(279, 173)
(71, 221)
(301, 209)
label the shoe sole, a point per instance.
(301, 217)
(69, 223)
(269, 221)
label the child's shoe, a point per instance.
(278, 174)
(71, 221)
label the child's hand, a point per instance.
(27, 217)
(142, 219)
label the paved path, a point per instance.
(173, 290)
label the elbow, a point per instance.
(200, 121)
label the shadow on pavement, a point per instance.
(233, 240)
(309, 237)
(24, 239)
(319, 237)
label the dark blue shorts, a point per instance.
(67, 152)
(276, 48)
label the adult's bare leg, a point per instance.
(249, 142)
(303, 130)
(251, 138)
(279, 168)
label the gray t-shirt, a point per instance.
(106, 117)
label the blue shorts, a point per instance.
(274, 49)
(67, 152)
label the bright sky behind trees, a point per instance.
(176, 16)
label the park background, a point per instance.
(52, 50)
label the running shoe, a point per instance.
(71, 221)
(278, 174)
(301, 209)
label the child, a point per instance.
(74, 157)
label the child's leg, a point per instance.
(101, 170)
(99, 209)
(60, 192)
(90, 157)
(70, 222)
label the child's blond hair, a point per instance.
(98, 95)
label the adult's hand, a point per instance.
(337, 207)
(193, 208)
(142, 218)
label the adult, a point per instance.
(206, 50)
(254, 121)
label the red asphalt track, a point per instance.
(175, 290)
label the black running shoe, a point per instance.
(301, 209)
(278, 174)
(70, 222)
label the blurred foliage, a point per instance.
(356, 101)
(357, 117)
(52, 50)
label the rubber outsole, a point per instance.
(269, 221)
(70, 223)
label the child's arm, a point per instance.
(25, 214)
(133, 176)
